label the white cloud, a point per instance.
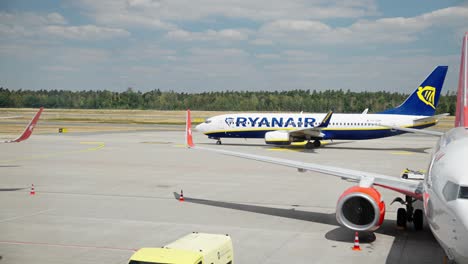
(385, 30)
(259, 10)
(86, 32)
(30, 25)
(209, 35)
(56, 18)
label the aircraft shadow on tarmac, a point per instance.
(400, 252)
(11, 189)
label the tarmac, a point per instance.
(100, 196)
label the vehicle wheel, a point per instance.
(317, 143)
(401, 217)
(309, 145)
(218, 142)
(405, 176)
(418, 219)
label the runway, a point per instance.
(99, 196)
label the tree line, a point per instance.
(294, 100)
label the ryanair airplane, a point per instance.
(416, 112)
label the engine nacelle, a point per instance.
(277, 138)
(360, 209)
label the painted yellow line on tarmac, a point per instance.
(99, 146)
(402, 153)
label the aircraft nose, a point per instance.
(199, 128)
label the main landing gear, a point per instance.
(315, 144)
(409, 214)
(218, 142)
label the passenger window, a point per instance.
(450, 191)
(463, 194)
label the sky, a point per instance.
(218, 45)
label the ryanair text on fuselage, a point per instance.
(271, 122)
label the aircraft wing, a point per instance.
(414, 130)
(365, 179)
(29, 128)
(313, 131)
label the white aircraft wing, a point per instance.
(365, 179)
(313, 131)
(414, 130)
(434, 118)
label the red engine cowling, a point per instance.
(360, 209)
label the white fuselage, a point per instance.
(341, 126)
(446, 194)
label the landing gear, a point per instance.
(315, 144)
(218, 142)
(409, 214)
(401, 218)
(418, 219)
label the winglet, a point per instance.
(326, 120)
(461, 114)
(29, 129)
(188, 130)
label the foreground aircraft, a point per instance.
(443, 192)
(28, 130)
(417, 112)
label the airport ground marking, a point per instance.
(402, 153)
(63, 245)
(99, 146)
(23, 216)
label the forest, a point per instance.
(294, 100)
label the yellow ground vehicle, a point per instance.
(195, 248)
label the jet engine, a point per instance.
(277, 138)
(360, 209)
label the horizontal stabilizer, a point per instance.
(431, 118)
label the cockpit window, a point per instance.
(450, 191)
(463, 194)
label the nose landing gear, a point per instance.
(409, 214)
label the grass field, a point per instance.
(75, 120)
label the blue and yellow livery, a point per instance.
(416, 112)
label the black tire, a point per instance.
(405, 176)
(401, 217)
(317, 143)
(418, 219)
(218, 142)
(309, 145)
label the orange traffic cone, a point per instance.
(356, 243)
(32, 192)
(181, 197)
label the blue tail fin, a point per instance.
(423, 101)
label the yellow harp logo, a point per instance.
(427, 95)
